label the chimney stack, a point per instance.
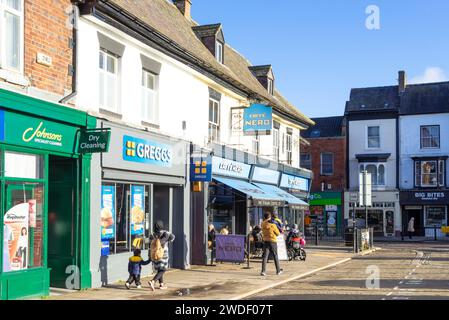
(402, 81)
(185, 7)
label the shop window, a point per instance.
(430, 173)
(430, 137)
(23, 226)
(435, 216)
(373, 137)
(149, 97)
(109, 81)
(22, 165)
(125, 218)
(11, 20)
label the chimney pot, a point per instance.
(402, 81)
(185, 7)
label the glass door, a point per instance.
(389, 223)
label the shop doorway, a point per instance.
(62, 222)
(418, 215)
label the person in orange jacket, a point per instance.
(269, 234)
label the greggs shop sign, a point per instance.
(34, 132)
(146, 151)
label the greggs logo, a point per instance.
(41, 135)
(139, 150)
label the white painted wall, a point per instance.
(183, 93)
(358, 145)
(410, 145)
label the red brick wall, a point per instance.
(46, 31)
(337, 146)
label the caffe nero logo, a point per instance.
(40, 135)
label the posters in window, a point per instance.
(15, 238)
(282, 248)
(137, 210)
(107, 212)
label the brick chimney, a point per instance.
(402, 81)
(185, 6)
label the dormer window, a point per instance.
(270, 86)
(219, 51)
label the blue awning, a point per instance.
(279, 193)
(259, 196)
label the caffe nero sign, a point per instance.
(424, 197)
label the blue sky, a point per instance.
(321, 49)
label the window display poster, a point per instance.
(107, 212)
(137, 210)
(15, 238)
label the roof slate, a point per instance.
(164, 17)
(425, 98)
(327, 127)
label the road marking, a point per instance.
(395, 288)
(389, 294)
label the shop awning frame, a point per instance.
(292, 201)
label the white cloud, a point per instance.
(431, 74)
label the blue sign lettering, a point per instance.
(144, 151)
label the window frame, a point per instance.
(440, 174)
(276, 144)
(289, 148)
(321, 163)
(219, 52)
(155, 91)
(375, 182)
(368, 137)
(106, 73)
(309, 161)
(270, 86)
(216, 125)
(21, 14)
(430, 137)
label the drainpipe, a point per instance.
(74, 55)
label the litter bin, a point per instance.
(349, 236)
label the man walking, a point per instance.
(411, 227)
(269, 235)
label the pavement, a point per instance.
(400, 271)
(224, 281)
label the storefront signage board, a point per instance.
(293, 182)
(146, 151)
(265, 175)
(137, 210)
(257, 118)
(34, 132)
(230, 168)
(424, 197)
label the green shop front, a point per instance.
(44, 197)
(326, 213)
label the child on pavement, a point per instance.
(135, 269)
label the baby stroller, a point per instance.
(257, 243)
(295, 246)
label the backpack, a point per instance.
(156, 249)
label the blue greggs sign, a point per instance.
(145, 151)
(258, 117)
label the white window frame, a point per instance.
(219, 51)
(436, 173)
(20, 14)
(289, 148)
(116, 75)
(367, 137)
(145, 103)
(276, 147)
(421, 136)
(375, 183)
(216, 125)
(321, 164)
(270, 86)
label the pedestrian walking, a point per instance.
(135, 269)
(411, 227)
(269, 234)
(159, 253)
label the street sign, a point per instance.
(94, 140)
(365, 193)
(353, 197)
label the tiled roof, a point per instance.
(207, 30)
(373, 99)
(165, 18)
(324, 128)
(425, 98)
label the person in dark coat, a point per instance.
(160, 266)
(135, 269)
